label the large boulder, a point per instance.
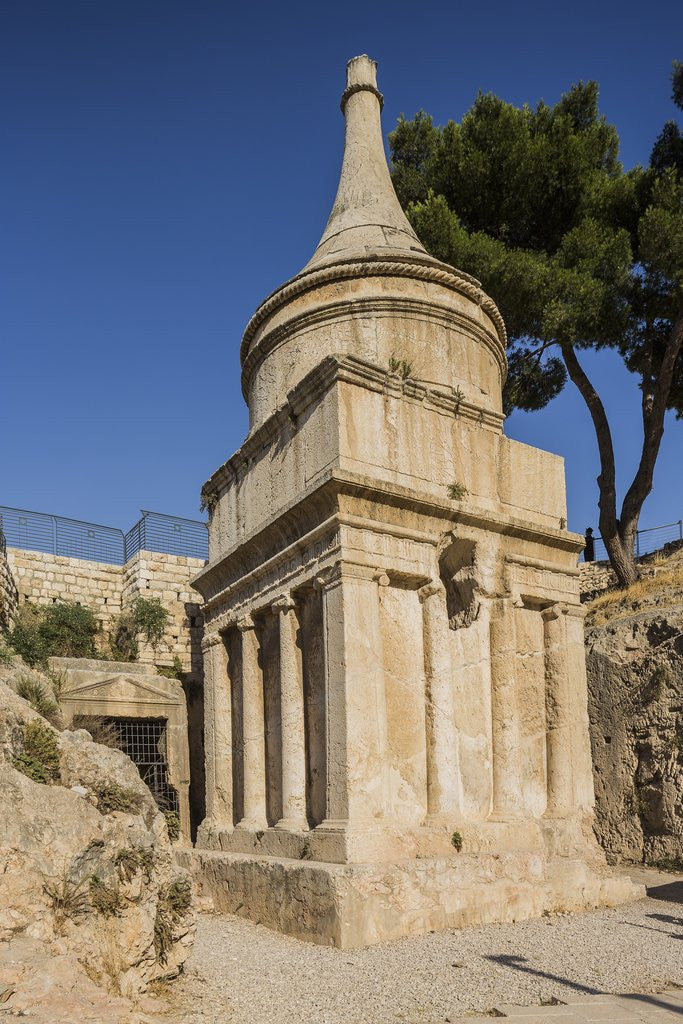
(634, 658)
(86, 867)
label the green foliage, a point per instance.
(7, 653)
(39, 757)
(69, 899)
(534, 203)
(173, 825)
(32, 690)
(174, 671)
(174, 902)
(105, 899)
(401, 367)
(112, 797)
(456, 841)
(457, 491)
(61, 630)
(130, 860)
(150, 618)
(123, 638)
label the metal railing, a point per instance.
(74, 538)
(169, 534)
(647, 541)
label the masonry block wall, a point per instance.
(44, 578)
(9, 595)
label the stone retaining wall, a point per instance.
(9, 596)
(44, 578)
(594, 577)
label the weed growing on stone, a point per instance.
(6, 653)
(112, 797)
(69, 899)
(130, 860)
(105, 899)
(173, 825)
(456, 841)
(32, 690)
(39, 758)
(102, 730)
(174, 901)
(457, 491)
(401, 367)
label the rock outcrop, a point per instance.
(92, 906)
(634, 658)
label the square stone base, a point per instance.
(349, 906)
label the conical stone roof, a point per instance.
(366, 216)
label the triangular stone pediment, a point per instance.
(122, 687)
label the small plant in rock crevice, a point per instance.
(173, 825)
(400, 367)
(457, 491)
(111, 797)
(174, 902)
(130, 860)
(69, 899)
(38, 759)
(456, 841)
(105, 899)
(33, 691)
(7, 654)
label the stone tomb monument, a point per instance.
(395, 718)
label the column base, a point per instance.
(354, 905)
(296, 825)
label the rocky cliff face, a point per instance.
(634, 656)
(92, 907)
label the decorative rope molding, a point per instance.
(307, 281)
(351, 90)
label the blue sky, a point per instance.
(167, 164)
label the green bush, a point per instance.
(112, 797)
(32, 690)
(174, 671)
(61, 630)
(123, 638)
(150, 618)
(39, 758)
(6, 653)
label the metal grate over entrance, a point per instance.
(144, 740)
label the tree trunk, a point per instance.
(619, 532)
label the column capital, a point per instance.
(284, 603)
(553, 611)
(211, 640)
(245, 623)
(431, 589)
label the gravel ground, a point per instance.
(243, 973)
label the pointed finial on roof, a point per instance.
(366, 215)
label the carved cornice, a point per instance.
(410, 266)
(354, 370)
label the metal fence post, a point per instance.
(680, 529)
